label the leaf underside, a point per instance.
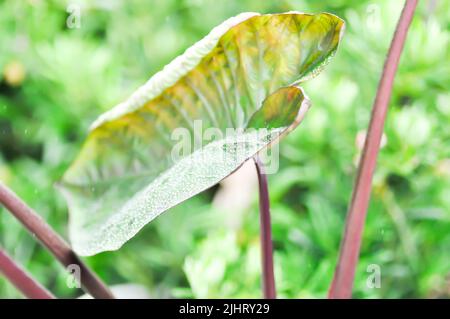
(243, 75)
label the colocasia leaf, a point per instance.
(195, 122)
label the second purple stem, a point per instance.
(268, 281)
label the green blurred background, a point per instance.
(55, 80)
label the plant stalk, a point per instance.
(268, 280)
(21, 279)
(342, 284)
(53, 242)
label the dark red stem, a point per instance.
(21, 279)
(53, 242)
(268, 279)
(342, 284)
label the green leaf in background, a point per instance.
(242, 76)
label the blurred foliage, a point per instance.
(55, 80)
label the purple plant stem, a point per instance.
(342, 284)
(21, 279)
(53, 242)
(268, 280)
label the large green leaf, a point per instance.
(243, 75)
